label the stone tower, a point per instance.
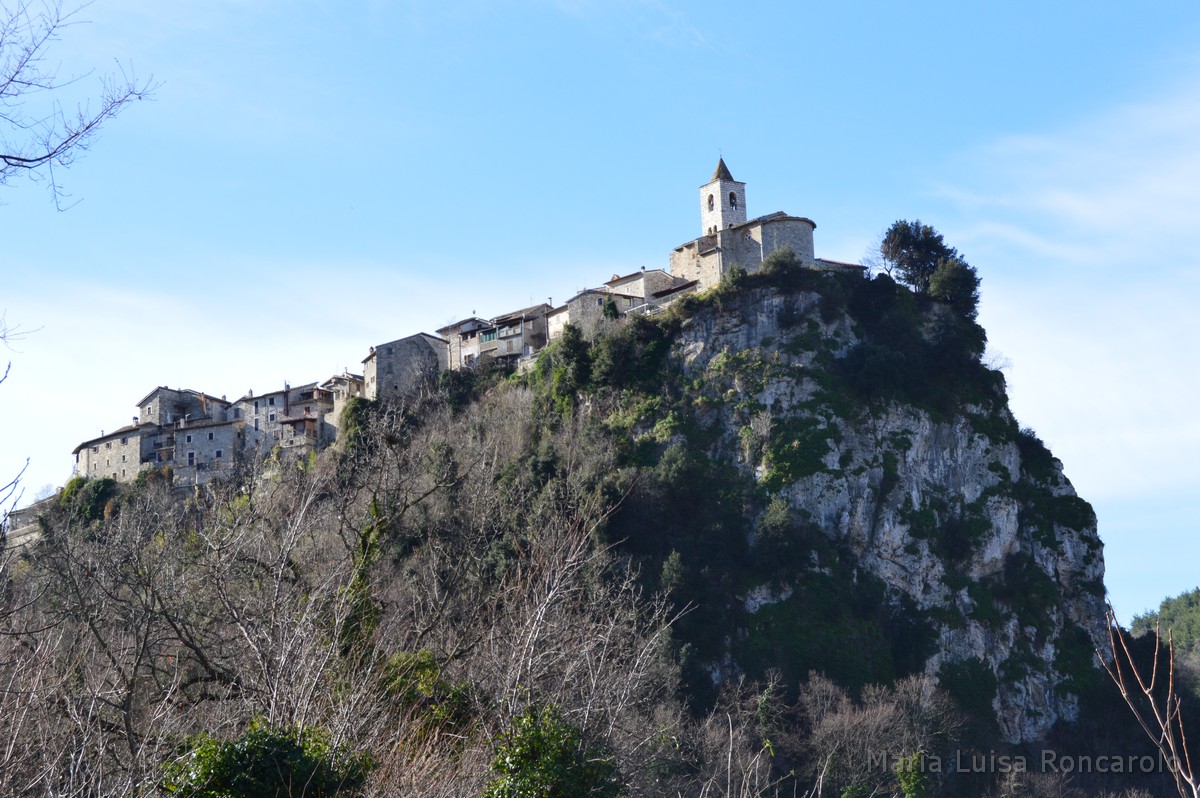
(722, 201)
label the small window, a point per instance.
(191, 458)
(733, 200)
(599, 302)
(237, 412)
(255, 405)
(711, 202)
(210, 436)
(95, 448)
(124, 441)
(122, 458)
(189, 439)
(256, 423)
(108, 445)
(271, 401)
(271, 417)
(218, 454)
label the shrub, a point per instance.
(544, 756)
(266, 761)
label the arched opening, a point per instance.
(711, 202)
(733, 200)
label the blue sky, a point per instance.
(315, 178)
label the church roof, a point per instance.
(722, 172)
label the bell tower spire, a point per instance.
(722, 201)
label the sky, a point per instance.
(311, 179)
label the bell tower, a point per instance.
(722, 201)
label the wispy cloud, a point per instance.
(1087, 241)
(1123, 184)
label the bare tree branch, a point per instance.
(1157, 708)
(36, 142)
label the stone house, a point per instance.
(587, 311)
(503, 339)
(517, 334)
(120, 454)
(342, 388)
(463, 341)
(398, 368)
(644, 283)
(205, 449)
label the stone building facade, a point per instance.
(120, 454)
(397, 369)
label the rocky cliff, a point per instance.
(882, 464)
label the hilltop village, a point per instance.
(201, 436)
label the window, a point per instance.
(733, 200)
(271, 401)
(122, 458)
(124, 441)
(210, 436)
(599, 302)
(95, 448)
(255, 405)
(108, 445)
(711, 202)
(189, 439)
(218, 454)
(490, 335)
(191, 458)
(271, 417)
(237, 412)
(256, 423)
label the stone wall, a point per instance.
(206, 450)
(397, 369)
(118, 456)
(708, 258)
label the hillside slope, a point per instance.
(694, 548)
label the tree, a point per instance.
(914, 251)
(1154, 700)
(35, 142)
(957, 284)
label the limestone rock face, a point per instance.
(959, 513)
